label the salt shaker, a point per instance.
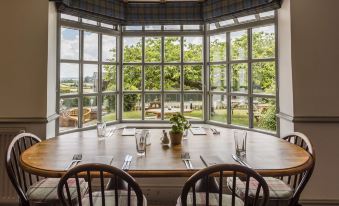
(164, 138)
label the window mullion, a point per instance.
(249, 82)
(81, 67)
(229, 78)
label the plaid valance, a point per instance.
(164, 13)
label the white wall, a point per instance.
(309, 52)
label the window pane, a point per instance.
(152, 49)
(263, 75)
(108, 108)
(108, 26)
(193, 106)
(193, 77)
(239, 45)
(172, 78)
(69, 45)
(69, 17)
(191, 27)
(90, 111)
(218, 47)
(109, 78)
(218, 108)
(172, 27)
(246, 18)
(172, 49)
(132, 49)
(88, 21)
(152, 78)
(90, 46)
(266, 14)
(239, 109)
(68, 118)
(226, 22)
(132, 78)
(153, 28)
(172, 105)
(69, 78)
(132, 106)
(152, 106)
(193, 49)
(109, 50)
(263, 42)
(264, 113)
(212, 26)
(90, 78)
(239, 78)
(135, 28)
(218, 80)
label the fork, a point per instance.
(187, 160)
(75, 160)
(127, 162)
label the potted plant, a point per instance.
(179, 125)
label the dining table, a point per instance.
(267, 154)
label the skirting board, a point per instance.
(319, 202)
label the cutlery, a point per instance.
(239, 160)
(128, 164)
(185, 161)
(125, 162)
(186, 157)
(75, 160)
(203, 161)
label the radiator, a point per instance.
(7, 192)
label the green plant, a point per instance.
(180, 123)
(268, 119)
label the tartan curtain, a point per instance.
(117, 11)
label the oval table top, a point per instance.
(268, 155)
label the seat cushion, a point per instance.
(110, 198)
(44, 192)
(280, 192)
(213, 199)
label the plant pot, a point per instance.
(175, 138)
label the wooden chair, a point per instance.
(286, 190)
(31, 189)
(255, 187)
(131, 197)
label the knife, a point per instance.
(203, 161)
(237, 159)
(125, 162)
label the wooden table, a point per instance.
(268, 155)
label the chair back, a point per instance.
(99, 172)
(259, 188)
(299, 181)
(20, 179)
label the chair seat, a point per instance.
(213, 199)
(110, 198)
(44, 192)
(280, 192)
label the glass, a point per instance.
(132, 78)
(172, 78)
(108, 108)
(69, 78)
(267, 14)
(191, 27)
(239, 82)
(152, 106)
(193, 106)
(101, 129)
(218, 111)
(218, 47)
(212, 26)
(246, 18)
(140, 141)
(172, 49)
(240, 139)
(218, 80)
(89, 111)
(239, 109)
(69, 17)
(109, 82)
(172, 105)
(152, 49)
(263, 77)
(133, 28)
(146, 134)
(193, 49)
(132, 106)
(152, 78)
(69, 44)
(88, 21)
(108, 26)
(153, 28)
(132, 49)
(109, 50)
(68, 118)
(226, 22)
(91, 46)
(193, 77)
(90, 78)
(264, 113)
(263, 42)
(239, 45)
